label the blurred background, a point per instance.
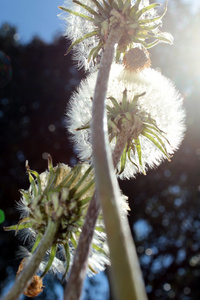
(35, 85)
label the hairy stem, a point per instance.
(32, 266)
(77, 275)
(126, 274)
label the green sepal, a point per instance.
(67, 258)
(18, 227)
(73, 240)
(123, 160)
(129, 156)
(143, 10)
(125, 102)
(76, 13)
(84, 190)
(133, 103)
(120, 4)
(134, 8)
(90, 10)
(91, 269)
(116, 105)
(25, 194)
(99, 249)
(100, 8)
(94, 52)
(75, 188)
(32, 182)
(50, 260)
(86, 126)
(111, 110)
(139, 152)
(86, 36)
(148, 28)
(37, 241)
(157, 144)
(100, 229)
(85, 201)
(106, 7)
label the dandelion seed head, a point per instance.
(88, 26)
(161, 101)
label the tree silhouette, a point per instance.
(165, 204)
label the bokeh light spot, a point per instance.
(2, 216)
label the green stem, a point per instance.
(78, 271)
(126, 274)
(32, 266)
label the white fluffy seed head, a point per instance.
(76, 28)
(162, 101)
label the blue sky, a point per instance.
(39, 17)
(33, 17)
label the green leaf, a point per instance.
(86, 36)
(51, 258)
(76, 13)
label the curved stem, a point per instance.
(34, 262)
(78, 271)
(126, 274)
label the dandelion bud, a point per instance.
(136, 60)
(61, 194)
